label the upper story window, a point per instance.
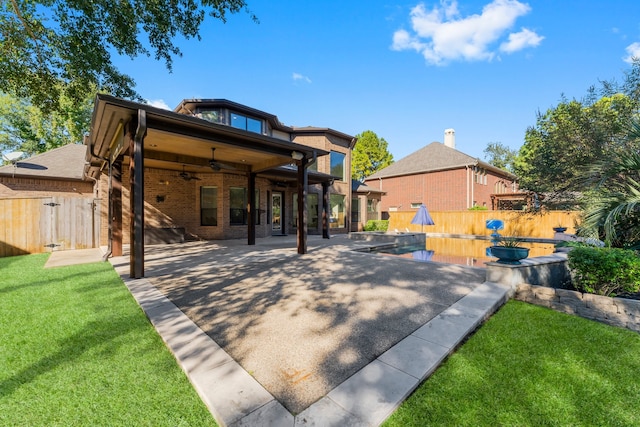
(215, 115)
(337, 165)
(243, 122)
(223, 116)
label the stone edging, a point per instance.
(620, 312)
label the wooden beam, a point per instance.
(251, 209)
(116, 207)
(325, 210)
(136, 167)
(302, 205)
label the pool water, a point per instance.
(469, 252)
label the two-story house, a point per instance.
(444, 179)
(214, 169)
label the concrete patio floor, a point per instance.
(326, 338)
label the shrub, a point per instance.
(478, 208)
(604, 271)
(377, 225)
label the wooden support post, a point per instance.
(325, 210)
(303, 178)
(116, 207)
(251, 209)
(136, 177)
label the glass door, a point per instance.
(276, 213)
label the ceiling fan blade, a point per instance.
(217, 166)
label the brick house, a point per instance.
(214, 169)
(55, 172)
(442, 178)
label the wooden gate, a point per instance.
(47, 224)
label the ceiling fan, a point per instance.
(215, 165)
(187, 176)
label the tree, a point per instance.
(569, 138)
(369, 155)
(63, 47)
(500, 156)
(24, 127)
(612, 206)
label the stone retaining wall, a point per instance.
(620, 312)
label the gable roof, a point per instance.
(66, 162)
(433, 157)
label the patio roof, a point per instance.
(149, 137)
(174, 139)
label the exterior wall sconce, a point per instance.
(163, 182)
(295, 155)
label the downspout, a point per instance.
(108, 161)
(467, 167)
(473, 186)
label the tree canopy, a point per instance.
(369, 155)
(500, 156)
(24, 127)
(567, 139)
(63, 47)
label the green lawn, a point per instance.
(76, 350)
(531, 366)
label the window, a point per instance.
(237, 206)
(355, 210)
(415, 205)
(246, 123)
(337, 165)
(215, 115)
(208, 205)
(480, 175)
(337, 207)
(372, 209)
(312, 210)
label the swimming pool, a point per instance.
(470, 252)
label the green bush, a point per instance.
(377, 225)
(478, 208)
(604, 271)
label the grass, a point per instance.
(76, 350)
(531, 366)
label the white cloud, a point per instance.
(518, 41)
(158, 103)
(633, 51)
(442, 35)
(297, 77)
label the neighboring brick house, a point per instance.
(56, 172)
(442, 178)
(203, 161)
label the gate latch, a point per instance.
(52, 204)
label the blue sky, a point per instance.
(405, 70)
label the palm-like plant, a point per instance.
(613, 204)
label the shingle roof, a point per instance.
(359, 187)
(66, 162)
(433, 157)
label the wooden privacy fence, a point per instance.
(47, 224)
(474, 222)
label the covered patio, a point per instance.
(139, 136)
